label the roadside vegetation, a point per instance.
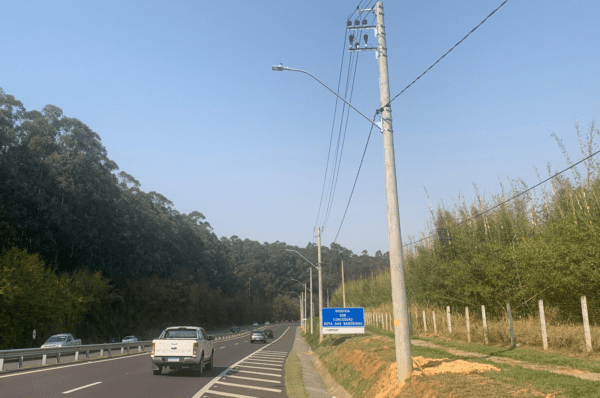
(294, 385)
(144, 264)
(364, 364)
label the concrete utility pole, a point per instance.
(312, 315)
(320, 289)
(343, 287)
(400, 306)
(399, 303)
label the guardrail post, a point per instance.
(127, 350)
(44, 359)
(101, 351)
(122, 349)
(76, 355)
(108, 351)
(1, 363)
(140, 348)
(87, 354)
(58, 357)
(20, 362)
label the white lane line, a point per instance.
(247, 386)
(82, 387)
(77, 364)
(266, 360)
(260, 373)
(251, 362)
(226, 394)
(220, 348)
(255, 378)
(236, 343)
(256, 367)
(211, 383)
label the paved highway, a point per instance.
(240, 370)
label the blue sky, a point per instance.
(184, 99)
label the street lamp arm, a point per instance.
(281, 67)
(289, 250)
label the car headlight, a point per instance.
(195, 349)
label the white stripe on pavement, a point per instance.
(82, 387)
(259, 373)
(211, 383)
(226, 394)
(255, 378)
(251, 387)
(256, 367)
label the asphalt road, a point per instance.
(240, 370)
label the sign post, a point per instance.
(343, 320)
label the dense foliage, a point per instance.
(543, 244)
(126, 261)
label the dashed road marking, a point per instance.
(82, 387)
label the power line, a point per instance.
(356, 179)
(334, 182)
(447, 52)
(506, 201)
(332, 127)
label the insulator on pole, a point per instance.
(349, 23)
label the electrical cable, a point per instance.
(332, 128)
(356, 178)
(343, 142)
(506, 201)
(447, 52)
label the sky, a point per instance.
(184, 99)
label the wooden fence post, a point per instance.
(543, 322)
(449, 320)
(586, 325)
(424, 321)
(510, 326)
(434, 323)
(485, 330)
(468, 325)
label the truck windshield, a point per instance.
(56, 339)
(180, 334)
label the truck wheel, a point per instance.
(201, 366)
(210, 364)
(157, 371)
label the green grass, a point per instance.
(509, 382)
(520, 353)
(294, 385)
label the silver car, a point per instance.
(130, 339)
(258, 335)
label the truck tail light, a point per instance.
(153, 348)
(195, 349)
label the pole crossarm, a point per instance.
(289, 250)
(281, 67)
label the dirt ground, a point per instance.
(388, 386)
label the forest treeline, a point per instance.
(543, 244)
(85, 250)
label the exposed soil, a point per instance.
(388, 386)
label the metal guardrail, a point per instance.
(29, 354)
(44, 353)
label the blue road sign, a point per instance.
(343, 320)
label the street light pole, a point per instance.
(320, 289)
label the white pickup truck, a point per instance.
(61, 340)
(183, 347)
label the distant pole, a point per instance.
(586, 324)
(513, 342)
(305, 310)
(399, 302)
(343, 286)
(320, 290)
(311, 303)
(543, 324)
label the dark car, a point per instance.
(269, 333)
(235, 329)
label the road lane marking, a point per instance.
(251, 387)
(251, 362)
(236, 343)
(256, 367)
(266, 360)
(255, 378)
(211, 383)
(226, 394)
(259, 373)
(82, 387)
